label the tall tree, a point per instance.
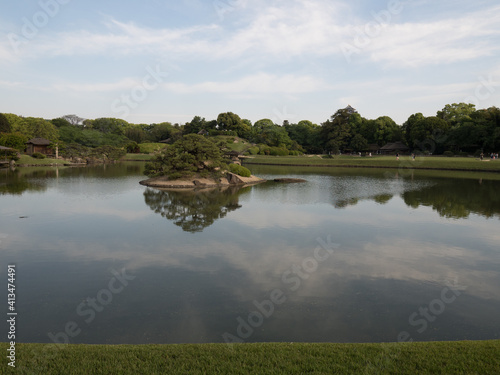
(306, 134)
(110, 125)
(267, 132)
(136, 134)
(60, 122)
(4, 124)
(430, 133)
(161, 132)
(232, 122)
(358, 143)
(196, 125)
(386, 130)
(456, 113)
(336, 132)
(408, 127)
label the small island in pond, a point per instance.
(230, 179)
(196, 162)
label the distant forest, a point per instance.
(458, 128)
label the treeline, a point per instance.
(457, 128)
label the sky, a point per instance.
(153, 61)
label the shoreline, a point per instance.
(197, 182)
(374, 167)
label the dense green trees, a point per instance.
(266, 132)
(456, 113)
(458, 127)
(336, 132)
(163, 131)
(32, 127)
(60, 122)
(4, 124)
(13, 140)
(196, 125)
(190, 155)
(429, 133)
(232, 122)
(306, 134)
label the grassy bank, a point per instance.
(138, 157)
(467, 357)
(427, 162)
(28, 160)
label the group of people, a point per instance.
(493, 156)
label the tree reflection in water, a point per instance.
(457, 199)
(451, 198)
(194, 210)
(16, 182)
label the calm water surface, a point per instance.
(350, 256)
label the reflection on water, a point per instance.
(458, 200)
(221, 253)
(194, 210)
(17, 181)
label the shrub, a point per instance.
(253, 150)
(239, 170)
(133, 148)
(448, 154)
(278, 151)
(264, 150)
(38, 155)
(463, 153)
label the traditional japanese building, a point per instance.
(40, 145)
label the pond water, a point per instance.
(352, 255)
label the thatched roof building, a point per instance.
(40, 145)
(392, 148)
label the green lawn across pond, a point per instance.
(465, 357)
(406, 162)
(28, 160)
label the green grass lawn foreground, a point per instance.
(465, 357)
(404, 162)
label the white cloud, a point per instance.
(257, 83)
(285, 30)
(9, 84)
(288, 29)
(441, 42)
(123, 84)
